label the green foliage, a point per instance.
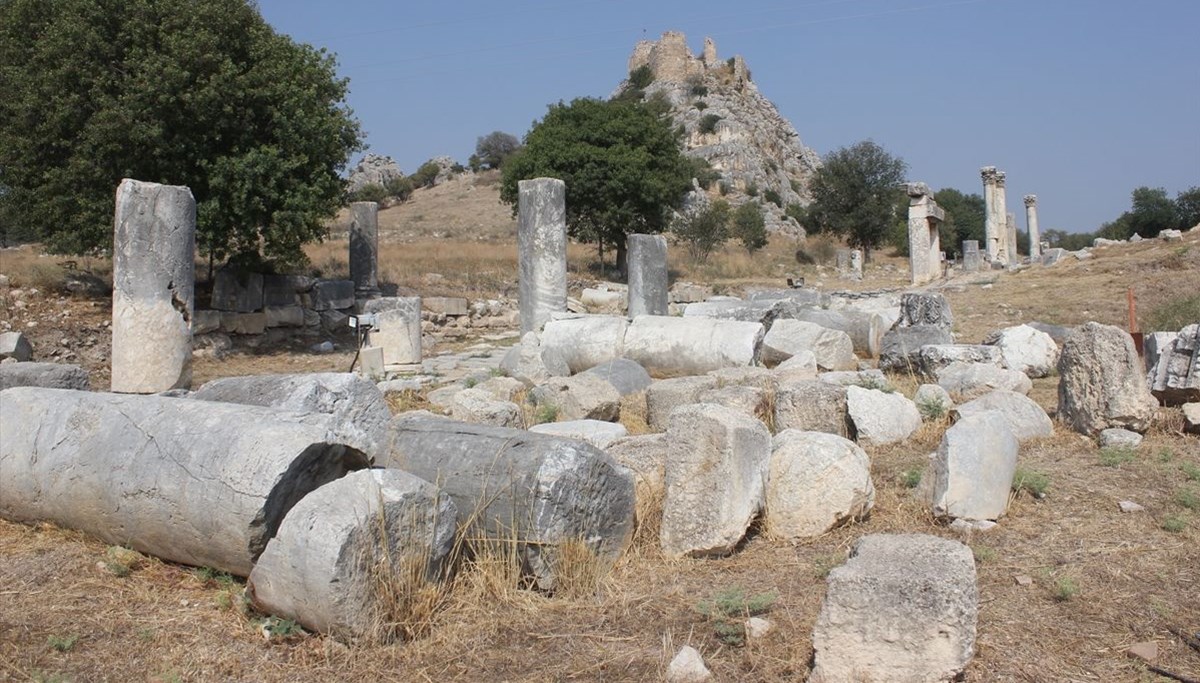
(546, 412)
(1065, 588)
(773, 197)
(1174, 314)
(400, 188)
(202, 93)
(703, 228)
(641, 77)
(965, 216)
(1187, 204)
(699, 90)
(701, 105)
(931, 408)
(208, 574)
(1190, 471)
(752, 190)
(912, 477)
(1174, 525)
(1115, 456)
(854, 194)
(621, 163)
(708, 123)
(1032, 482)
(749, 226)
(371, 192)
(1152, 212)
(426, 174)
(703, 171)
(62, 643)
(1188, 498)
(492, 149)
(280, 628)
(796, 212)
(730, 607)
(1071, 241)
(983, 553)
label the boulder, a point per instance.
(924, 319)
(934, 357)
(45, 375)
(397, 328)
(867, 379)
(599, 434)
(759, 378)
(479, 406)
(675, 347)
(626, 376)
(1053, 256)
(970, 475)
(196, 482)
(932, 401)
(687, 293)
(584, 341)
(581, 397)
(603, 300)
(1026, 350)
(358, 413)
(1191, 418)
(1024, 416)
(646, 456)
(688, 667)
(881, 418)
(715, 479)
(501, 388)
(1116, 437)
(902, 609)
(1175, 377)
(750, 401)
(347, 547)
(666, 395)
(509, 485)
(968, 381)
(1101, 383)
(15, 345)
(1058, 333)
(812, 406)
(801, 366)
(816, 481)
(532, 364)
(832, 348)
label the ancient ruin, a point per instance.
(647, 267)
(542, 250)
(1031, 222)
(995, 226)
(924, 242)
(364, 249)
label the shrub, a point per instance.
(1188, 499)
(401, 188)
(729, 609)
(1065, 588)
(426, 174)
(371, 192)
(641, 77)
(750, 227)
(62, 643)
(752, 190)
(931, 408)
(912, 478)
(1034, 483)
(1115, 456)
(702, 229)
(773, 197)
(1190, 471)
(701, 105)
(1173, 525)
(708, 123)
(703, 171)
(699, 90)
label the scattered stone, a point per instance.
(279, 316)
(581, 397)
(624, 375)
(205, 321)
(328, 295)
(833, 349)
(599, 434)
(664, 396)
(801, 366)
(532, 364)
(935, 357)
(502, 388)
(1170, 235)
(1058, 333)
(1026, 349)
(603, 300)
(903, 608)
(1101, 383)
(688, 667)
(397, 328)
(933, 401)
(1024, 416)
(675, 347)
(924, 319)
(816, 482)
(250, 323)
(968, 381)
(1146, 651)
(324, 566)
(585, 341)
(15, 345)
(479, 406)
(881, 418)
(812, 406)
(688, 293)
(237, 291)
(1191, 418)
(1053, 256)
(970, 475)
(45, 375)
(867, 379)
(1130, 506)
(715, 478)
(1115, 437)
(969, 526)
(453, 306)
(758, 628)
(1175, 377)
(1023, 580)
(322, 347)
(759, 378)
(646, 456)
(749, 401)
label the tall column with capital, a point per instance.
(1035, 235)
(1007, 246)
(993, 235)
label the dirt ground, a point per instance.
(1101, 580)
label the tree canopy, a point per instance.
(202, 93)
(855, 194)
(621, 163)
(493, 149)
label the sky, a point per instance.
(1078, 101)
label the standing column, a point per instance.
(1035, 235)
(1010, 221)
(647, 263)
(154, 275)
(1001, 219)
(919, 266)
(541, 250)
(991, 227)
(364, 249)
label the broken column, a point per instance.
(1010, 222)
(397, 328)
(856, 264)
(1035, 235)
(972, 261)
(647, 265)
(154, 246)
(541, 250)
(364, 249)
(196, 482)
(994, 226)
(924, 241)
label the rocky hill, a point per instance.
(727, 121)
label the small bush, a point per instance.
(796, 186)
(749, 226)
(1031, 482)
(703, 229)
(729, 609)
(426, 174)
(470, 382)
(62, 643)
(752, 190)
(773, 197)
(1188, 499)
(1190, 471)
(931, 408)
(280, 628)
(547, 412)
(699, 90)
(708, 123)
(1065, 588)
(1115, 456)
(371, 192)
(701, 105)
(912, 477)
(823, 564)
(641, 77)
(773, 168)
(1174, 525)
(983, 553)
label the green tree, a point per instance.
(492, 149)
(620, 161)
(202, 93)
(750, 227)
(1187, 205)
(965, 216)
(702, 228)
(855, 193)
(1152, 212)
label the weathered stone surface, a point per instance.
(972, 259)
(529, 362)
(342, 543)
(282, 316)
(934, 357)
(453, 306)
(585, 341)
(664, 396)
(901, 350)
(903, 609)
(881, 418)
(1026, 349)
(816, 481)
(364, 248)
(1024, 416)
(45, 375)
(1153, 345)
(932, 401)
(687, 293)
(1053, 256)
(924, 242)
(478, 406)
(968, 381)
(1058, 333)
(1115, 437)
(749, 401)
(373, 169)
(358, 413)
(596, 432)
(244, 323)
(646, 456)
(397, 328)
(801, 366)
(1191, 417)
(647, 266)
(715, 479)
(602, 300)
(626, 376)
(285, 290)
(154, 274)
(970, 475)
(728, 308)
(673, 347)
(502, 388)
(541, 250)
(513, 485)
(329, 295)
(687, 666)
(1101, 383)
(867, 379)
(833, 349)
(1175, 378)
(235, 291)
(581, 397)
(760, 378)
(15, 345)
(811, 406)
(205, 321)
(197, 482)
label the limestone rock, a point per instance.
(623, 374)
(501, 388)
(1116, 437)
(648, 276)
(812, 406)
(881, 418)
(236, 291)
(1026, 349)
(801, 366)
(816, 481)
(1191, 418)
(1101, 383)
(924, 319)
(45, 375)
(867, 379)
(585, 341)
(541, 250)
(833, 348)
(687, 667)
(1024, 416)
(373, 169)
(331, 295)
(397, 328)
(581, 397)
(970, 475)
(664, 396)
(1175, 378)
(968, 381)
(479, 406)
(903, 609)
(749, 401)
(675, 347)
(687, 293)
(934, 357)
(532, 364)
(15, 345)
(932, 401)
(646, 456)
(599, 434)
(715, 479)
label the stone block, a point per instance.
(364, 248)
(749, 401)
(244, 323)
(968, 381)
(647, 268)
(205, 321)
(970, 475)
(330, 295)
(370, 363)
(541, 250)
(528, 362)
(881, 418)
(1101, 383)
(453, 306)
(624, 375)
(14, 345)
(284, 316)
(397, 328)
(1115, 437)
(285, 290)
(816, 481)
(833, 349)
(664, 396)
(1025, 349)
(235, 291)
(1024, 416)
(1175, 377)
(646, 456)
(901, 349)
(688, 293)
(934, 357)
(812, 406)
(585, 341)
(674, 347)
(596, 432)
(582, 397)
(45, 375)
(478, 406)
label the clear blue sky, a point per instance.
(1079, 101)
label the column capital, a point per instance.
(988, 174)
(1030, 200)
(1000, 178)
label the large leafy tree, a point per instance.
(621, 162)
(492, 149)
(855, 194)
(200, 93)
(965, 216)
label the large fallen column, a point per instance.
(348, 546)
(585, 341)
(510, 485)
(678, 347)
(358, 413)
(196, 482)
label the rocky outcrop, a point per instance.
(373, 169)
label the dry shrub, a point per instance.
(578, 571)
(648, 513)
(404, 401)
(634, 415)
